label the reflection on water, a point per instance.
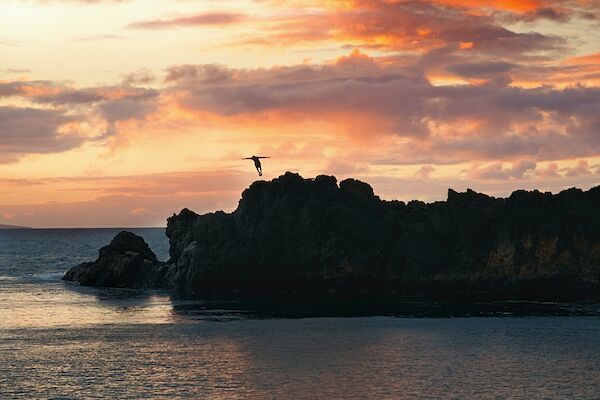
(60, 304)
(59, 340)
(358, 358)
(54, 305)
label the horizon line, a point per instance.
(28, 228)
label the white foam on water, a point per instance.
(47, 276)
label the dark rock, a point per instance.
(353, 185)
(326, 181)
(127, 242)
(308, 236)
(126, 262)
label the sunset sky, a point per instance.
(119, 113)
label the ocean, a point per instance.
(62, 341)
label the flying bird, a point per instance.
(257, 163)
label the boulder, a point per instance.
(126, 262)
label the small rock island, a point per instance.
(312, 236)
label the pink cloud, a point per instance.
(424, 171)
(518, 170)
(25, 130)
(213, 18)
(581, 169)
(551, 171)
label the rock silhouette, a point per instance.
(312, 236)
(126, 262)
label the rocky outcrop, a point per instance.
(126, 262)
(298, 236)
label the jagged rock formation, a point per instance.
(295, 235)
(126, 262)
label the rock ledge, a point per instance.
(312, 236)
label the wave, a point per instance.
(47, 276)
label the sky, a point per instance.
(119, 113)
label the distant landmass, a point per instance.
(13, 227)
(308, 237)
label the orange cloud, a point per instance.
(508, 5)
(412, 25)
(590, 59)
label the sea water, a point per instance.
(62, 341)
